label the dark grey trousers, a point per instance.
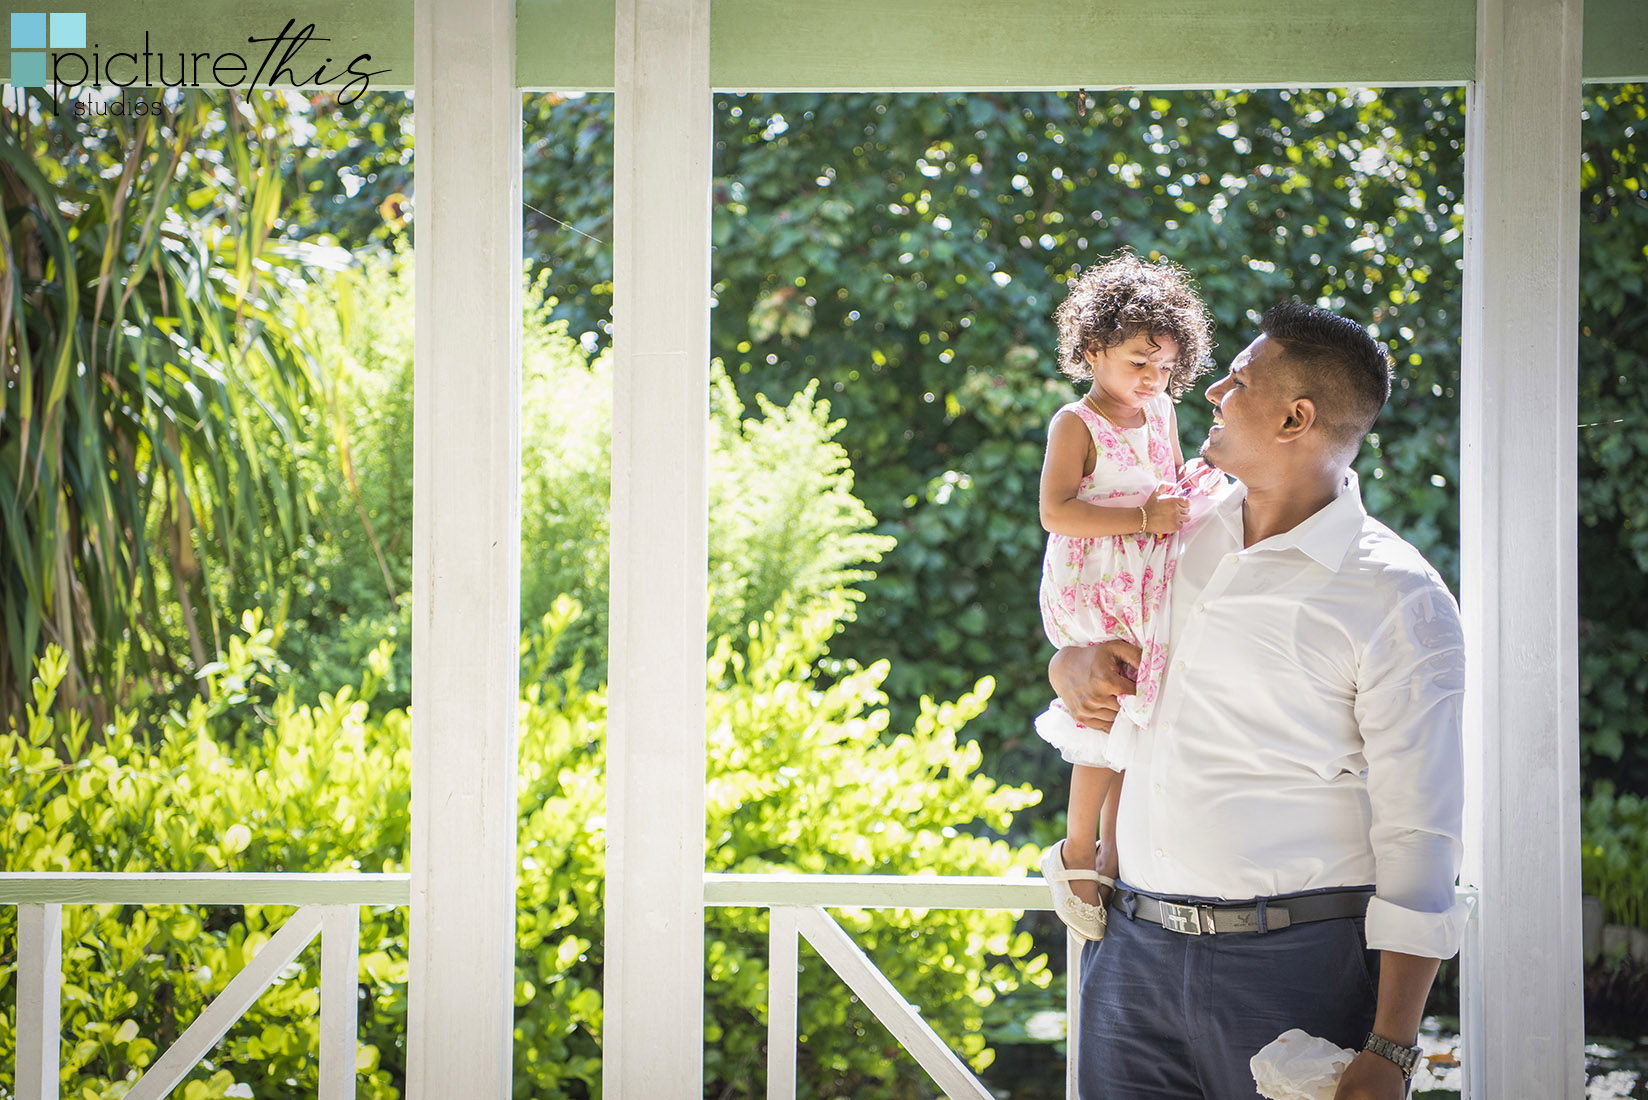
(1166, 1016)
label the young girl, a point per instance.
(1111, 498)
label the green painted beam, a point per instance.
(867, 44)
(1010, 44)
(1616, 41)
(564, 44)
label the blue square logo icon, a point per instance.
(28, 30)
(68, 30)
(28, 69)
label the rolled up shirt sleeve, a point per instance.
(1409, 709)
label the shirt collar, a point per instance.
(1326, 536)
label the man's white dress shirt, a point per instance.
(1308, 729)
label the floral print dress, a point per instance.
(1096, 589)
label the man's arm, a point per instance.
(1408, 707)
(1404, 983)
(1409, 703)
(1089, 678)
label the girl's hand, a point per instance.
(1197, 478)
(1165, 515)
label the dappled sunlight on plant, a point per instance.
(807, 776)
(322, 790)
(802, 775)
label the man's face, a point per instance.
(1249, 408)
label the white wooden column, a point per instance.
(1519, 479)
(466, 532)
(653, 1024)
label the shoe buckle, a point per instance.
(1191, 920)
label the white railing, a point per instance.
(328, 906)
(798, 904)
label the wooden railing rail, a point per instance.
(798, 904)
(328, 906)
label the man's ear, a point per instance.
(1299, 419)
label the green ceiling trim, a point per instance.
(868, 44)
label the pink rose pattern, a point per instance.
(1095, 589)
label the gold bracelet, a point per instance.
(1144, 519)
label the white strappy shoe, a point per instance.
(1086, 921)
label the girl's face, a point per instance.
(1135, 371)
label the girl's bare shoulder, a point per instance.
(1070, 422)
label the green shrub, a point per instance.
(801, 776)
(783, 518)
(1613, 437)
(1614, 856)
(355, 572)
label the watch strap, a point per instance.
(1405, 1058)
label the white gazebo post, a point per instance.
(466, 550)
(1521, 996)
(652, 1041)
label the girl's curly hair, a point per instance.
(1122, 296)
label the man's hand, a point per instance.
(1088, 679)
(1370, 1077)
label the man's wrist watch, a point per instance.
(1406, 1058)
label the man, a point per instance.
(1288, 833)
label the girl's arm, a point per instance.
(1061, 476)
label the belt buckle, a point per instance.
(1190, 920)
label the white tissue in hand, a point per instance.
(1299, 1066)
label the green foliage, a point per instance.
(325, 791)
(804, 777)
(1613, 863)
(152, 392)
(784, 522)
(800, 776)
(353, 576)
(1613, 438)
(349, 170)
(783, 518)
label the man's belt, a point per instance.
(1266, 915)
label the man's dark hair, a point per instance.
(1336, 363)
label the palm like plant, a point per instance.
(148, 478)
